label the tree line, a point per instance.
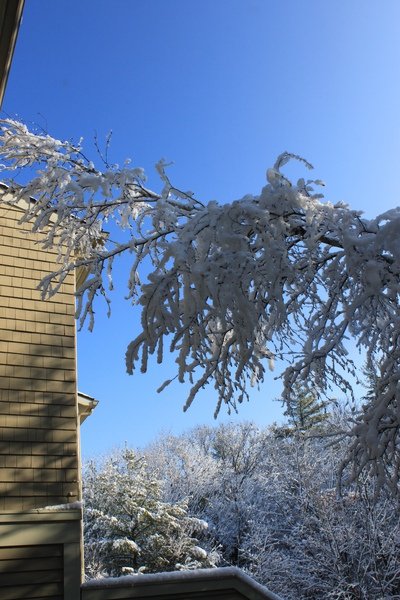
(262, 499)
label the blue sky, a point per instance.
(220, 87)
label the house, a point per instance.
(40, 547)
(40, 414)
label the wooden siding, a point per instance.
(32, 572)
(132, 594)
(129, 594)
(38, 402)
(46, 548)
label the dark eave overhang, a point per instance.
(10, 18)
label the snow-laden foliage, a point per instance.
(281, 276)
(273, 510)
(129, 528)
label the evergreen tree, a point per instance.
(129, 529)
(304, 411)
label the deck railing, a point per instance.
(227, 583)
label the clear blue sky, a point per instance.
(220, 87)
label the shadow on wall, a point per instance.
(39, 463)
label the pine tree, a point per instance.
(304, 412)
(129, 529)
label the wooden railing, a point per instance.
(227, 583)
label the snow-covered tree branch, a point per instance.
(282, 276)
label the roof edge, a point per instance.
(10, 19)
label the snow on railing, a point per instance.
(213, 583)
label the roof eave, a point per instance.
(10, 19)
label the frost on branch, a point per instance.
(281, 276)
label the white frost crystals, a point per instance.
(279, 276)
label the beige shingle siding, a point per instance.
(38, 409)
(31, 571)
